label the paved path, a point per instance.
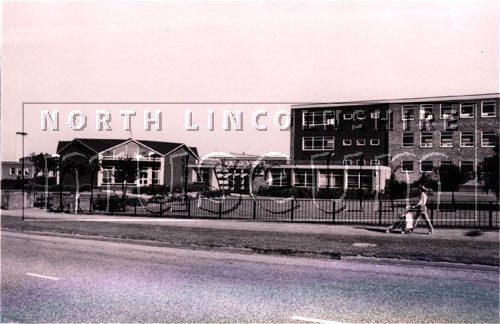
(35, 214)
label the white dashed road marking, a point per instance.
(42, 276)
(364, 245)
(315, 320)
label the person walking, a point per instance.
(421, 208)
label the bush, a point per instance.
(349, 194)
(13, 184)
(148, 190)
(43, 180)
(297, 192)
(197, 187)
(115, 202)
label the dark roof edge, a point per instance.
(401, 100)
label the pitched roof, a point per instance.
(166, 147)
(101, 144)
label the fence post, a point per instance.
(490, 215)
(431, 207)
(333, 211)
(161, 208)
(254, 209)
(292, 210)
(135, 207)
(380, 212)
(188, 205)
(220, 209)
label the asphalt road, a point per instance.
(55, 279)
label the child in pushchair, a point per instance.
(404, 223)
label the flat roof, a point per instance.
(395, 101)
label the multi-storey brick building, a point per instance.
(429, 133)
(340, 145)
(403, 136)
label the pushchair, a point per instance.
(405, 223)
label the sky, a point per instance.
(218, 56)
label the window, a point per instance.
(347, 116)
(426, 117)
(408, 140)
(447, 111)
(446, 139)
(407, 166)
(347, 162)
(426, 140)
(375, 114)
(488, 109)
(467, 110)
(317, 118)
(155, 174)
(279, 177)
(202, 175)
(317, 143)
(426, 166)
(467, 139)
(375, 162)
(360, 142)
(347, 142)
(304, 178)
(361, 162)
(336, 179)
(425, 111)
(26, 171)
(12, 171)
(107, 175)
(488, 139)
(19, 171)
(374, 142)
(467, 167)
(407, 112)
(143, 176)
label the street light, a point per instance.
(23, 134)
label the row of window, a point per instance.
(143, 176)
(333, 179)
(464, 110)
(326, 143)
(409, 166)
(361, 142)
(446, 110)
(446, 139)
(327, 117)
(19, 171)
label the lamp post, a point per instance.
(23, 134)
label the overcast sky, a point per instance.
(232, 52)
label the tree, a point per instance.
(43, 163)
(125, 172)
(75, 164)
(95, 166)
(489, 173)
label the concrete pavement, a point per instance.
(39, 215)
